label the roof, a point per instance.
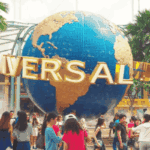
(13, 39)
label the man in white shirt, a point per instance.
(144, 136)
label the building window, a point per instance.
(136, 102)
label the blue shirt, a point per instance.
(117, 121)
(115, 125)
(51, 139)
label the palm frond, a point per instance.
(4, 7)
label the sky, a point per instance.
(34, 11)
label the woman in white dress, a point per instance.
(35, 124)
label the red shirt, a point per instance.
(75, 141)
(56, 129)
(130, 125)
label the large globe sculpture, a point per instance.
(85, 37)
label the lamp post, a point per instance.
(132, 10)
(138, 5)
(76, 5)
(20, 11)
(14, 9)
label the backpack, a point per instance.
(40, 141)
(111, 125)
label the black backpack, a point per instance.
(111, 125)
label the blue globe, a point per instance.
(79, 36)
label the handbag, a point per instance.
(40, 141)
(100, 142)
(111, 125)
(131, 142)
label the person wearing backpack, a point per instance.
(115, 132)
(122, 132)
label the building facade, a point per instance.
(142, 101)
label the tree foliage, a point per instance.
(138, 34)
(135, 89)
(3, 24)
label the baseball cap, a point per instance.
(70, 116)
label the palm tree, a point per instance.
(3, 24)
(139, 36)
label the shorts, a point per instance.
(35, 131)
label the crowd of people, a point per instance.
(56, 132)
(25, 133)
(134, 135)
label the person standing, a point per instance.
(44, 125)
(74, 135)
(84, 127)
(59, 122)
(14, 140)
(22, 132)
(144, 133)
(5, 131)
(138, 121)
(131, 140)
(83, 124)
(51, 140)
(70, 115)
(99, 144)
(12, 118)
(73, 112)
(35, 124)
(115, 132)
(121, 133)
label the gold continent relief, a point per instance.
(123, 53)
(50, 25)
(68, 93)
